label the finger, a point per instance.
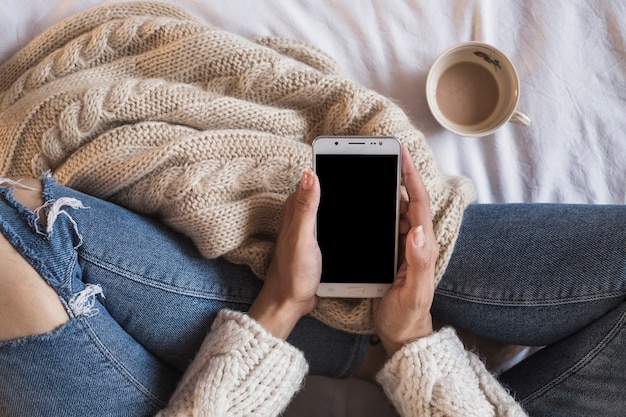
(419, 200)
(419, 258)
(404, 226)
(404, 206)
(404, 196)
(412, 179)
(288, 207)
(306, 202)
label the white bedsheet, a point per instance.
(570, 55)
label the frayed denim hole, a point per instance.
(60, 281)
(49, 186)
(61, 286)
(83, 303)
(29, 254)
(57, 333)
(54, 207)
(24, 213)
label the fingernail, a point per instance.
(307, 179)
(418, 236)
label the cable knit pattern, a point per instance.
(436, 376)
(142, 105)
(240, 370)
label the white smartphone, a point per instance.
(357, 220)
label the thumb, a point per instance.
(421, 254)
(307, 201)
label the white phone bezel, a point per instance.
(360, 145)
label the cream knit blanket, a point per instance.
(142, 105)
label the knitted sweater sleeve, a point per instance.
(435, 375)
(240, 370)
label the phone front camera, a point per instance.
(336, 143)
(380, 143)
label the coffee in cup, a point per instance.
(473, 89)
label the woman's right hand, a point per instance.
(403, 314)
(294, 273)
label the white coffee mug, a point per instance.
(473, 89)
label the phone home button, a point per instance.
(355, 290)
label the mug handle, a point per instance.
(521, 118)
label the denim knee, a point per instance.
(91, 356)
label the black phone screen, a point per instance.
(356, 222)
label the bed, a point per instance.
(571, 59)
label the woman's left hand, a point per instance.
(403, 314)
(294, 273)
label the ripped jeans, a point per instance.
(140, 299)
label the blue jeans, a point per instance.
(552, 275)
(140, 299)
(520, 274)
